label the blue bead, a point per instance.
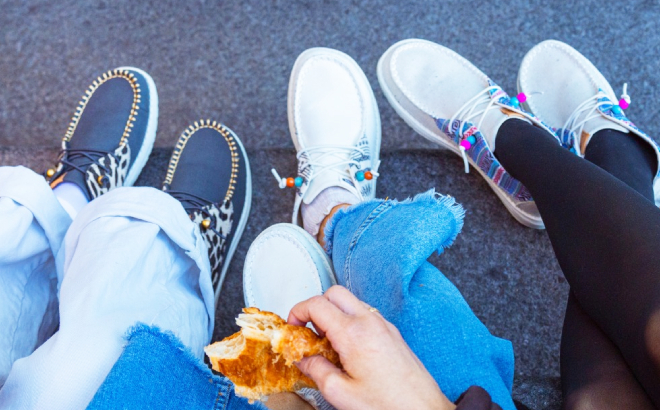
(617, 110)
(514, 101)
(472, 139)
(298, 182)
(359, 176)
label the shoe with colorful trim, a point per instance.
(335, 127)
(449, 101)
(569, 92)
(209, 174)
(111, 134)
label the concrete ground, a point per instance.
(231, 60)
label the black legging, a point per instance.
(605, 231)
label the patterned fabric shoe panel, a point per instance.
(361, 170)
(478, 149)
(106, 133)
(209, 175)
(220, 219)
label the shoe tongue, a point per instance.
(329, 179)
(77, 178)
(491, 122)
(189, 202)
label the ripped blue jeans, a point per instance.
(379, 250)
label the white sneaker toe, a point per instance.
(557, 79)
(283, 267)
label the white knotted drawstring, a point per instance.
(589, 109)
(466, 163)
(469, 111)
(624, 95)
(345, 159)
(281, 181)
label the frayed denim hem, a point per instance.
(170, 339)
(431, 197)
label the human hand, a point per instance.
(379, 369)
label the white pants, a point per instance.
(130, 256)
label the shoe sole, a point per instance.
(319, 257)
(525, 219)
(152, 126)
(358, 75)
(242, 222)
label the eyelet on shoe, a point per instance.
(206, 223)
(102, 179)
(50, 172)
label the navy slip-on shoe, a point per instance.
(209, 173)
(111, 134)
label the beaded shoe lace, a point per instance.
(193, 203)
(590, 109)
(79, 160)
(340, 159)
(471, 111)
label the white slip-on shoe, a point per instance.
(565, 89)
(285, 266)
(335, 127)
(449, 101)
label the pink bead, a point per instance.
(623, 104)
(466, 144)
(521, 97)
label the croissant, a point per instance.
(259, 359)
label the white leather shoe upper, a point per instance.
(449, 101)
(434, 81)
(284, 266)
(334, 124)
(562, 87)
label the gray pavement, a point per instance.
(231, 61)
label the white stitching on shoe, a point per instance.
(569, 52)
(302, 73)
(291, 239)
(431, 47)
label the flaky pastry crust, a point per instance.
(259, 359)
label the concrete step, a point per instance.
(506, 272)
